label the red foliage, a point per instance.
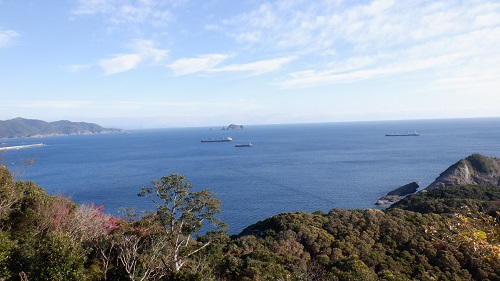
(84, 222)
(440, 245)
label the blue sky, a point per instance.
(152, 63)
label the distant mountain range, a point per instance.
(26, 128)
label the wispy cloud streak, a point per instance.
(120, 12)
(209, 63)
(348, 42)
(256, 68)
(144, 51)
(193, 65)
(7, 37)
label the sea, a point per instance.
(290, 168)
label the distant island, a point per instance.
(32, 128)
(233, 127)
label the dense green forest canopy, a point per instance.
(443, 234)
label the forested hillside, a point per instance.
(442, 234)
(25, 128)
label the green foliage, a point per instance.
(8, 195)
(426, 236)
(181, 210)
(482, 164)
(182, 213)
(452, 199)
(6, 248)
(355, 245)
(59, 257)
(37, 239)
(353, 269)
(5, 177)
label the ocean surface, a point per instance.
(301, 167)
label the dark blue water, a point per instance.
(305, 167)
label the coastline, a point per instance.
(21, 146)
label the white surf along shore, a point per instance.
(21, 146)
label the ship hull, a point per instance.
(229, 139)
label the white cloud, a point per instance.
(316, 25)
(256, 68)
(479, 78)
(335, 41)
(118, 12)
(263, 17)
(147, 49)
(317, 78)
(7, 37)
(144, 51)
(192, 65)
(208, 63)
(120, 63)
(447, 59)
(343, 41)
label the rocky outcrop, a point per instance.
(26, 128)
(476, 169)
(388, 200)
(235, 127)
(398, 194)
(405, 189)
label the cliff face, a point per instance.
(22, 128)
(476, 169)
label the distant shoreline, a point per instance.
(60, 135)
(32, 128)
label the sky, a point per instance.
(177, 63)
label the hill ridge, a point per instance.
(30, 128)
(475, 169)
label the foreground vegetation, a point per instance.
(444, 234)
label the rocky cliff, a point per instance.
(476, 169)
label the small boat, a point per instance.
(414, 134)
(228, 139)
(244, 145)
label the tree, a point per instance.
(479, 231)
(8, 194)
(183, 213)
(140, 252)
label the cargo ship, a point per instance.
(228, 139)
(414, 134)
(244, 145)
